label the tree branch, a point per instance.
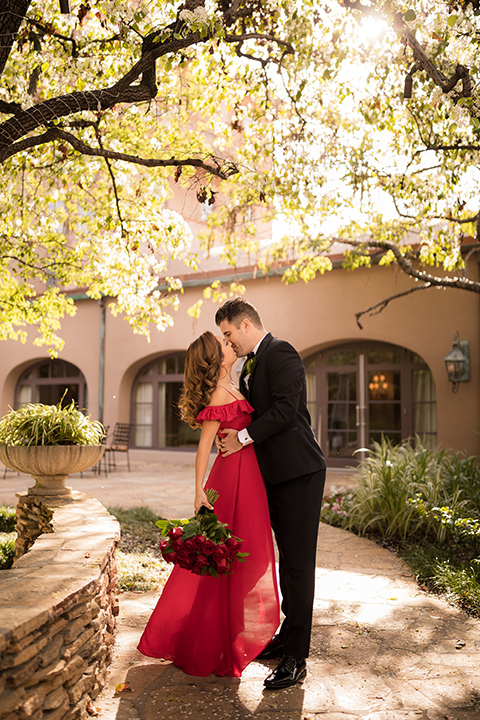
(222, 169)
(43, 113)
(422, 61)
(10, 108)
(113, 179)
(380, 306)
(121, 92)
(12, 14)
(459, 283)
(41, 269)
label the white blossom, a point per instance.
(200, 14)
(187, 16)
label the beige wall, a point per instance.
(314, 316)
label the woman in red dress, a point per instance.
(202, 623)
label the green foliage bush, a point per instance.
(400, 485)
(7, 549)
(7, 519)
(38, 424)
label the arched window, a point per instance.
(47, 381)
(359, 392)
(156, 391)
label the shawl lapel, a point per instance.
(248, 385)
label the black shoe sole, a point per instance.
(286, 683)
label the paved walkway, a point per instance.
(381, 648)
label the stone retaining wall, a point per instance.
(58, 606)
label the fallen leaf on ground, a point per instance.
(123, 687)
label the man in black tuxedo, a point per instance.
(293, 467)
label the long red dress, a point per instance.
(219, 625)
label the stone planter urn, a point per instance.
(50, 465)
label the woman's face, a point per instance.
(229, 354)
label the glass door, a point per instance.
(367, 391)
(341, 413)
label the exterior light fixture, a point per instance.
(65, 7)
(457, 362)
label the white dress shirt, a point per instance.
(243, 435)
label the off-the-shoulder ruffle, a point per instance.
(224, 412)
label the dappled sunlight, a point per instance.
(367, 598)
(372, 29)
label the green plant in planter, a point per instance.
(38, 424)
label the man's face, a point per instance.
(240, 337)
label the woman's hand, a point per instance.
(201, 499)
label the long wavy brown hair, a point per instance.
(202, 370)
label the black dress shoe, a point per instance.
(290, 671)
(274, 649)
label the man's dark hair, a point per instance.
(233, 311)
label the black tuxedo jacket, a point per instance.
(284, 442)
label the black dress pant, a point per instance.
(295, 507)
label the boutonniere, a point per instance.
(250, 365)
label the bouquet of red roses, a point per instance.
(202, 544)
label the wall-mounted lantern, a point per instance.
(457, 362)
(65, 6)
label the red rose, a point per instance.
(198, 542)
(233, 544)
(223, 566)
(200, 562)
(175, 533)
(209, 547)
(184, 560)
(221, 552)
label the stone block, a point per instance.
(82, 608)
(20, 675)
(75, 692)
(75, 669)
(5, 638)
(99, 622)
(51, 652)
(55, 699)
(58, 713)
(11, 700)
(34, 618)
(47, 674)
(19, 645)
(56, 627)
(37, 715)
(18, 658)
(77, 647)
(72, 630)
(32, 703)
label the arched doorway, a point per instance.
(155, 394)
(359, 392)
(47, 381)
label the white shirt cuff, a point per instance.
(244, 437)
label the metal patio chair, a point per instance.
(120, 443)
